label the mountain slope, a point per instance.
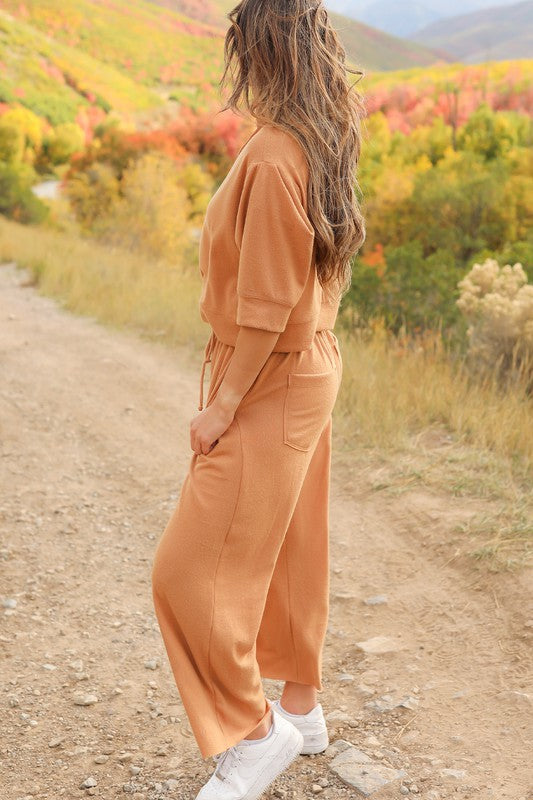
(147, 43)
(494, 34)
(54, 80)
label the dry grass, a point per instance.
(409, 407)
(390, 391)
(115, 286)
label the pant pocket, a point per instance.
(309, 400)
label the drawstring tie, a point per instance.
(207, 358)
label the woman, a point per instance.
(241, 574)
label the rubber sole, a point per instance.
(314, 749)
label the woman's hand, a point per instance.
(208, 425)
(252, 348)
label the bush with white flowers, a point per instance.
(498, 304)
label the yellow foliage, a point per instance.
(63, 141)
(376, 134)
(93, 194)
(152, 214)
(12, 145)
(199, 187)
(423, 163)
(31, 127)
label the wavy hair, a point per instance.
(286, 54)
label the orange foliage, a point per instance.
(375, 258)
(161, 140)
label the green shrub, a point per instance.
(17, 200)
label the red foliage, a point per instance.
(408, 105)
(220, 135)
(213, 141)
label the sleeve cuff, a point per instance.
(268, 315)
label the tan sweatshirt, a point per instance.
(256, 247)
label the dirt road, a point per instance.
(94, 446)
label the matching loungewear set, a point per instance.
(240, 576)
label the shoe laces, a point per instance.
(225, 761)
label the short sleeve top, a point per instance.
(256, 253)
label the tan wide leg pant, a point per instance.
(240, 576)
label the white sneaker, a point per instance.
(246, 769)
(311, 725)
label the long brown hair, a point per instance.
(287, 53)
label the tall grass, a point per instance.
(120, 288)
(391, 390)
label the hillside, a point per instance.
(132, 56)
(493, 34)
(55, 80)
